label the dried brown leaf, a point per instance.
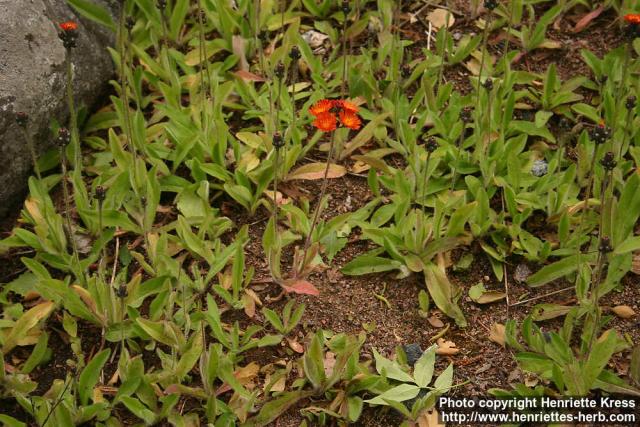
(496, 334)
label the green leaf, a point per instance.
(38, 354)
(631, 244)
(366, 264)
(599, 356)
(25, 323)
(444, 293)
(90, 374)
(313, 362)
(390, 369)
(423, 370)
(138, 409)
(94, 12)
(445, 380)
(551, 272)
(396, 394)
(8, 421)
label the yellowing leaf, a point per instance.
(25, 323)
(440, 17)
(496, 334)
(314, 171)
(623, 311)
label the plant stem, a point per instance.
(425, 181)
(32, 151)
(67, 211)
(73, 119)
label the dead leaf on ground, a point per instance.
(623, 311)
(238, 46)
(635, 263)
(446, 348)
(435, 321)
(295, 345)
(438, 18)
(314, 38)
(248, 76)
(586, 19)
(329, 363)
(496, 334)
(429, 419)
(314, 171)
(302, 287)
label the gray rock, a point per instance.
(32, 79)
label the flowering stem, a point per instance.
(67, 212)
(485, 35)
(73, 119)
(325, 178)
(443, 54)
(32, 150)
(585, 208)
(425, 181)
(619, 95)
(456, 166)
(203, 63)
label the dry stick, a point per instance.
(325, 180)
(542, 296)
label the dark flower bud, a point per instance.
(279, 71)
(278, 142)
(68, 34)
(603, 79)
(564, 124)
(466, 114)
(490, 4)
(605, 245)
(162, 4)
(22, 119)
(631, 102)
(143, 201)
(264, 36)
(632, 31)
(547, 336)
(488, 84)
(64, 137)
(608, 161)
(600, 134)
(405, 71)
(130, 23)
(101, 193)
(122, 292)
(294, 54)
(345, 7)
(431, 144)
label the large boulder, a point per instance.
(32, 79)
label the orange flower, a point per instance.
(633, 18)
(68, 26)
(347, 106)
(326, 122)
(350, 119)
(321, 107)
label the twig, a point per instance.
(542, 296)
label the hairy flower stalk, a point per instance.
(430, 146)
(465, 117)
(124, 34)
(444, 53)
(69, 36)
(205, 78)
(489, 5)
(63, 140)
(22, 119)
(294, 54)
(600, 134)
(609, 163)
(325, 178)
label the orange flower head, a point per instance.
(68, 26)
(321, 107)
(326, 122)
(350, 120)
(347, 106)
(633, 18)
